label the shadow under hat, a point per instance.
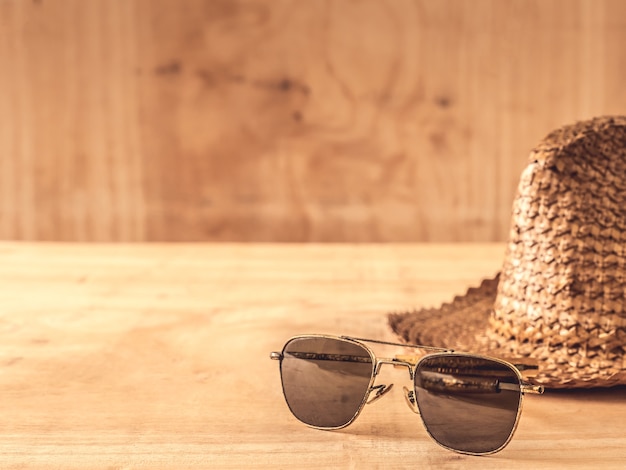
(560, 298)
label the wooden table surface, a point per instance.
(156, 356)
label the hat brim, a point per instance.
(464, 325)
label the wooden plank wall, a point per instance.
(287, 120)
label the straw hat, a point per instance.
(560, 297)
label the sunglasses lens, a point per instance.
(325, 380)
(468, 404)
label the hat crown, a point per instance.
(563, 282)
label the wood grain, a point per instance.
(274, 120)
(156, 356)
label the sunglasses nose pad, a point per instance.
(409, 396)
(380, 391)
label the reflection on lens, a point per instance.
(325, 380)
(469, 404)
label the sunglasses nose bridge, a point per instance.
(394, 362)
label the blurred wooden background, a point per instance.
(287, 120)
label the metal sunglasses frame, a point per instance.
(412, 363)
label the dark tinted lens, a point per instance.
(468, 404)
(325, 381)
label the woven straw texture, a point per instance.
(560, 297)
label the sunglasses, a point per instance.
(468, 403)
